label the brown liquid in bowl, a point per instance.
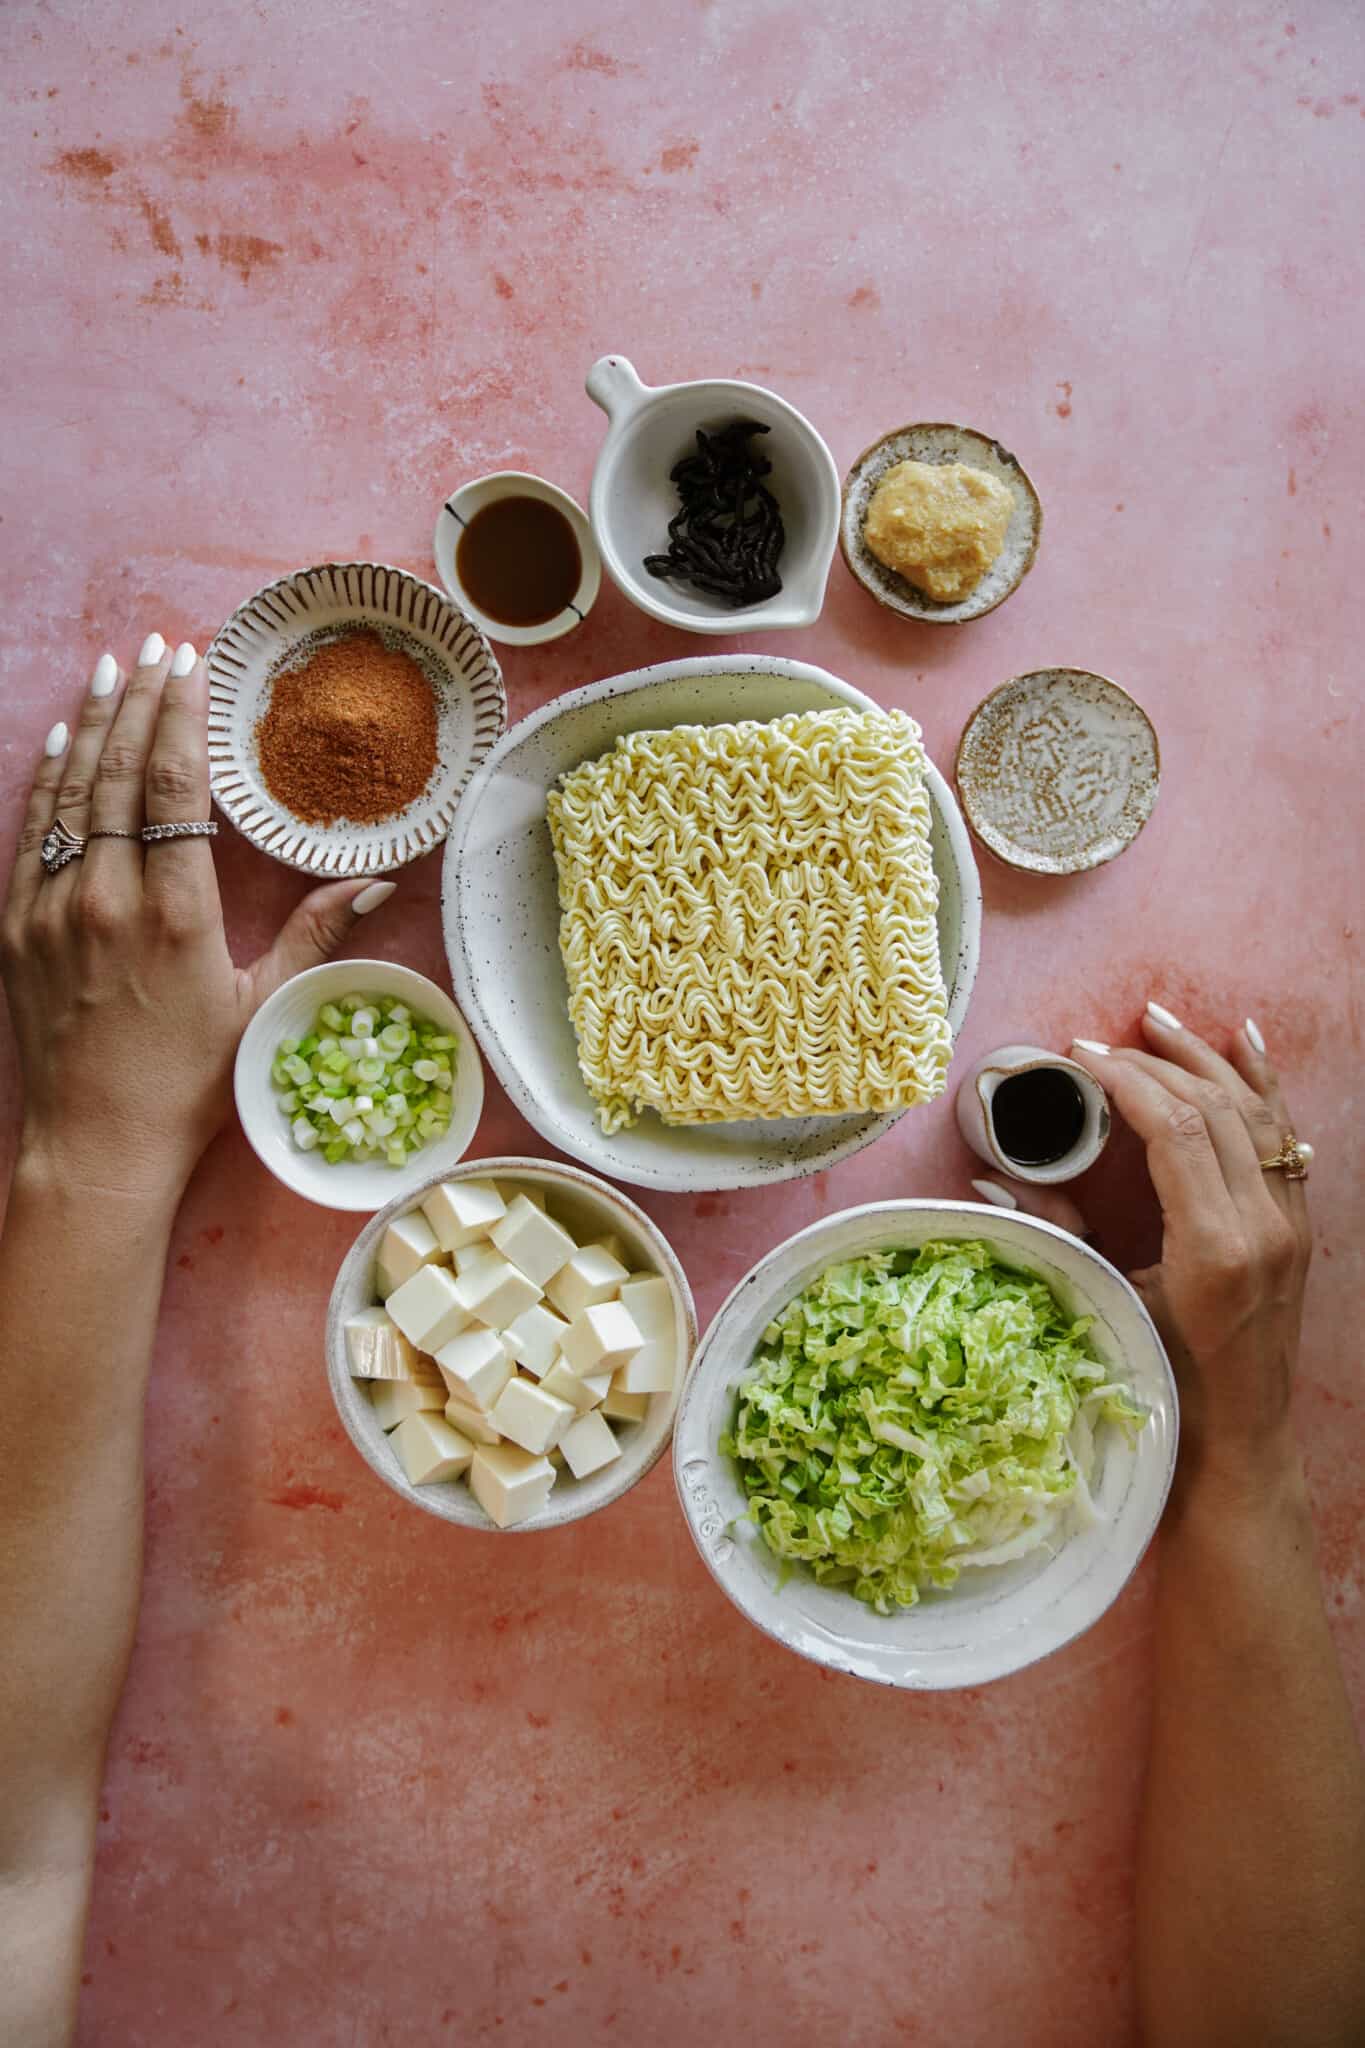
(518, 559)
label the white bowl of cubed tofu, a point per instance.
(506, 1344)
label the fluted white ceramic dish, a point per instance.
(633, 497)
(501, 909)
(272, 631)
(588, 1208)
(995, 1620)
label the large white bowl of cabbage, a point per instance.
(927, 1443)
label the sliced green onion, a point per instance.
(369, 1081)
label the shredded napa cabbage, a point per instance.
(915, 1412)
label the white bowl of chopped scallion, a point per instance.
(356, 1079)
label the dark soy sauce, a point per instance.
(518, 558)
(1038, 1116)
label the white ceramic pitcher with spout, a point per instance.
(977, 1124)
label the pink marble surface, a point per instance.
(279, 278)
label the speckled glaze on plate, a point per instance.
(936, 441)
(1058, 771)
(277, 626)
(994, 1621)
(587, 1207)
(501, 909)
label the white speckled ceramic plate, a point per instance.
(276, 629)
(501, 906)
(1058, 770)
(588, 1208)
(936, 441)
(994, 1620)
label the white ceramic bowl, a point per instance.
(995, 1620)
(501, 907)
(269, 632)
(587, 1208)
(633, 497)
(353, 1183)
(456, 513)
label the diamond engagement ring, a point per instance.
(61, 844)
(1291, 1160)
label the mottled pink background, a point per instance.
(280, 277)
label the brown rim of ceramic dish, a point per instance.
(1022, 867)
(937, 616)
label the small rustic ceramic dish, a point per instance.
(588, 1208)
(456, 513)
(352, 1183)
(277, 629)
(1058, 771)
(936, 442)
(501, 905)
(996, 1619)
(633, 497)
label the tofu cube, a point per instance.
(462, 1211)
(475, 1366)
(609, 1243)
(529, 1416)
(534, 1243)
(647, 1297)
(623, 1407)
(394, 1400)
(581, 1394)
(429, 1450)
(509, 1484)
(376, 1348)
(591, 1275)
(493, 1291)
(654, 1366)
(509, 1190)
(427, 1309)
(407, 1244)
(534, 1338)
(471, 1422)
(471, 1255)
(588, 1445)
(602, 1338)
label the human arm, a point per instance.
(1251, 1872)
(126, 1010)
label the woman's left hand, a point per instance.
(126, 1005)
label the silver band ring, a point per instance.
(197, 828)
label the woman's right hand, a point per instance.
(1227, 1295)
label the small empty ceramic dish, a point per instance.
(633, 496)
(936, 442)
(277, 629)
(453, 520)
(1058, 771)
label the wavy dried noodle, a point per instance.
(748, 920)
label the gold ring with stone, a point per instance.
(1292, 1159)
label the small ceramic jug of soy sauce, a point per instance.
(1033, 1114)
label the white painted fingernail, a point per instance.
(153, 647)
(57, 741)
(184, 659)
(991, 1191)
(1254, 1038)
(1090, 1045)
(1160, 1016)
(105, 676)
(371, 898)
